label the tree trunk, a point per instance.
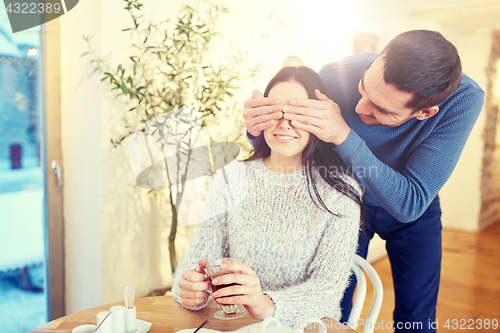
(171, 238)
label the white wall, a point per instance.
(81, 143)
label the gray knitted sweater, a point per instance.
(302, 254)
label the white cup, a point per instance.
(130, 320)
(118, 318)
(107, 326)
(269, 325)
(84, 329)
(273, 325)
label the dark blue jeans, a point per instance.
(414, 250)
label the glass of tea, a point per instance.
(227, 311)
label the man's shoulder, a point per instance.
(469, 93)
(470, 84)
(360, 60)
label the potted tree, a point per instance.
(169, 81)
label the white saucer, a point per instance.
(142, 327)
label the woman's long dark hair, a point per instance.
(317, 155)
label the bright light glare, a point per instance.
(327, 18)
(326, 30)
(32, 52)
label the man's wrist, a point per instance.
(340, 139)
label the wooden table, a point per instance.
(166, 315)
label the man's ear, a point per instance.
(427, 113)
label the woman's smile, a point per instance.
(282, 138)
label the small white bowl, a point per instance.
(84, 329)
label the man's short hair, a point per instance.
(423, 63)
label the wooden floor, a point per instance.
(470, 282)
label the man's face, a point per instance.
(382, 103)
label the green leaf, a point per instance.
(124, 88)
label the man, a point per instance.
(400, 121)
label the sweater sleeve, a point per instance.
(407, 194)
(328, 272)
(210, 240)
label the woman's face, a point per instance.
(284, 139)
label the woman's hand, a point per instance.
(247, 293)
(193, 286)
(261, 113)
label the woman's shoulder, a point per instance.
(236, 167)
(233, 177)
(228, 187)
(244, 169)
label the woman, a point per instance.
(290, 211)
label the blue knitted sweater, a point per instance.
(402, 168)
